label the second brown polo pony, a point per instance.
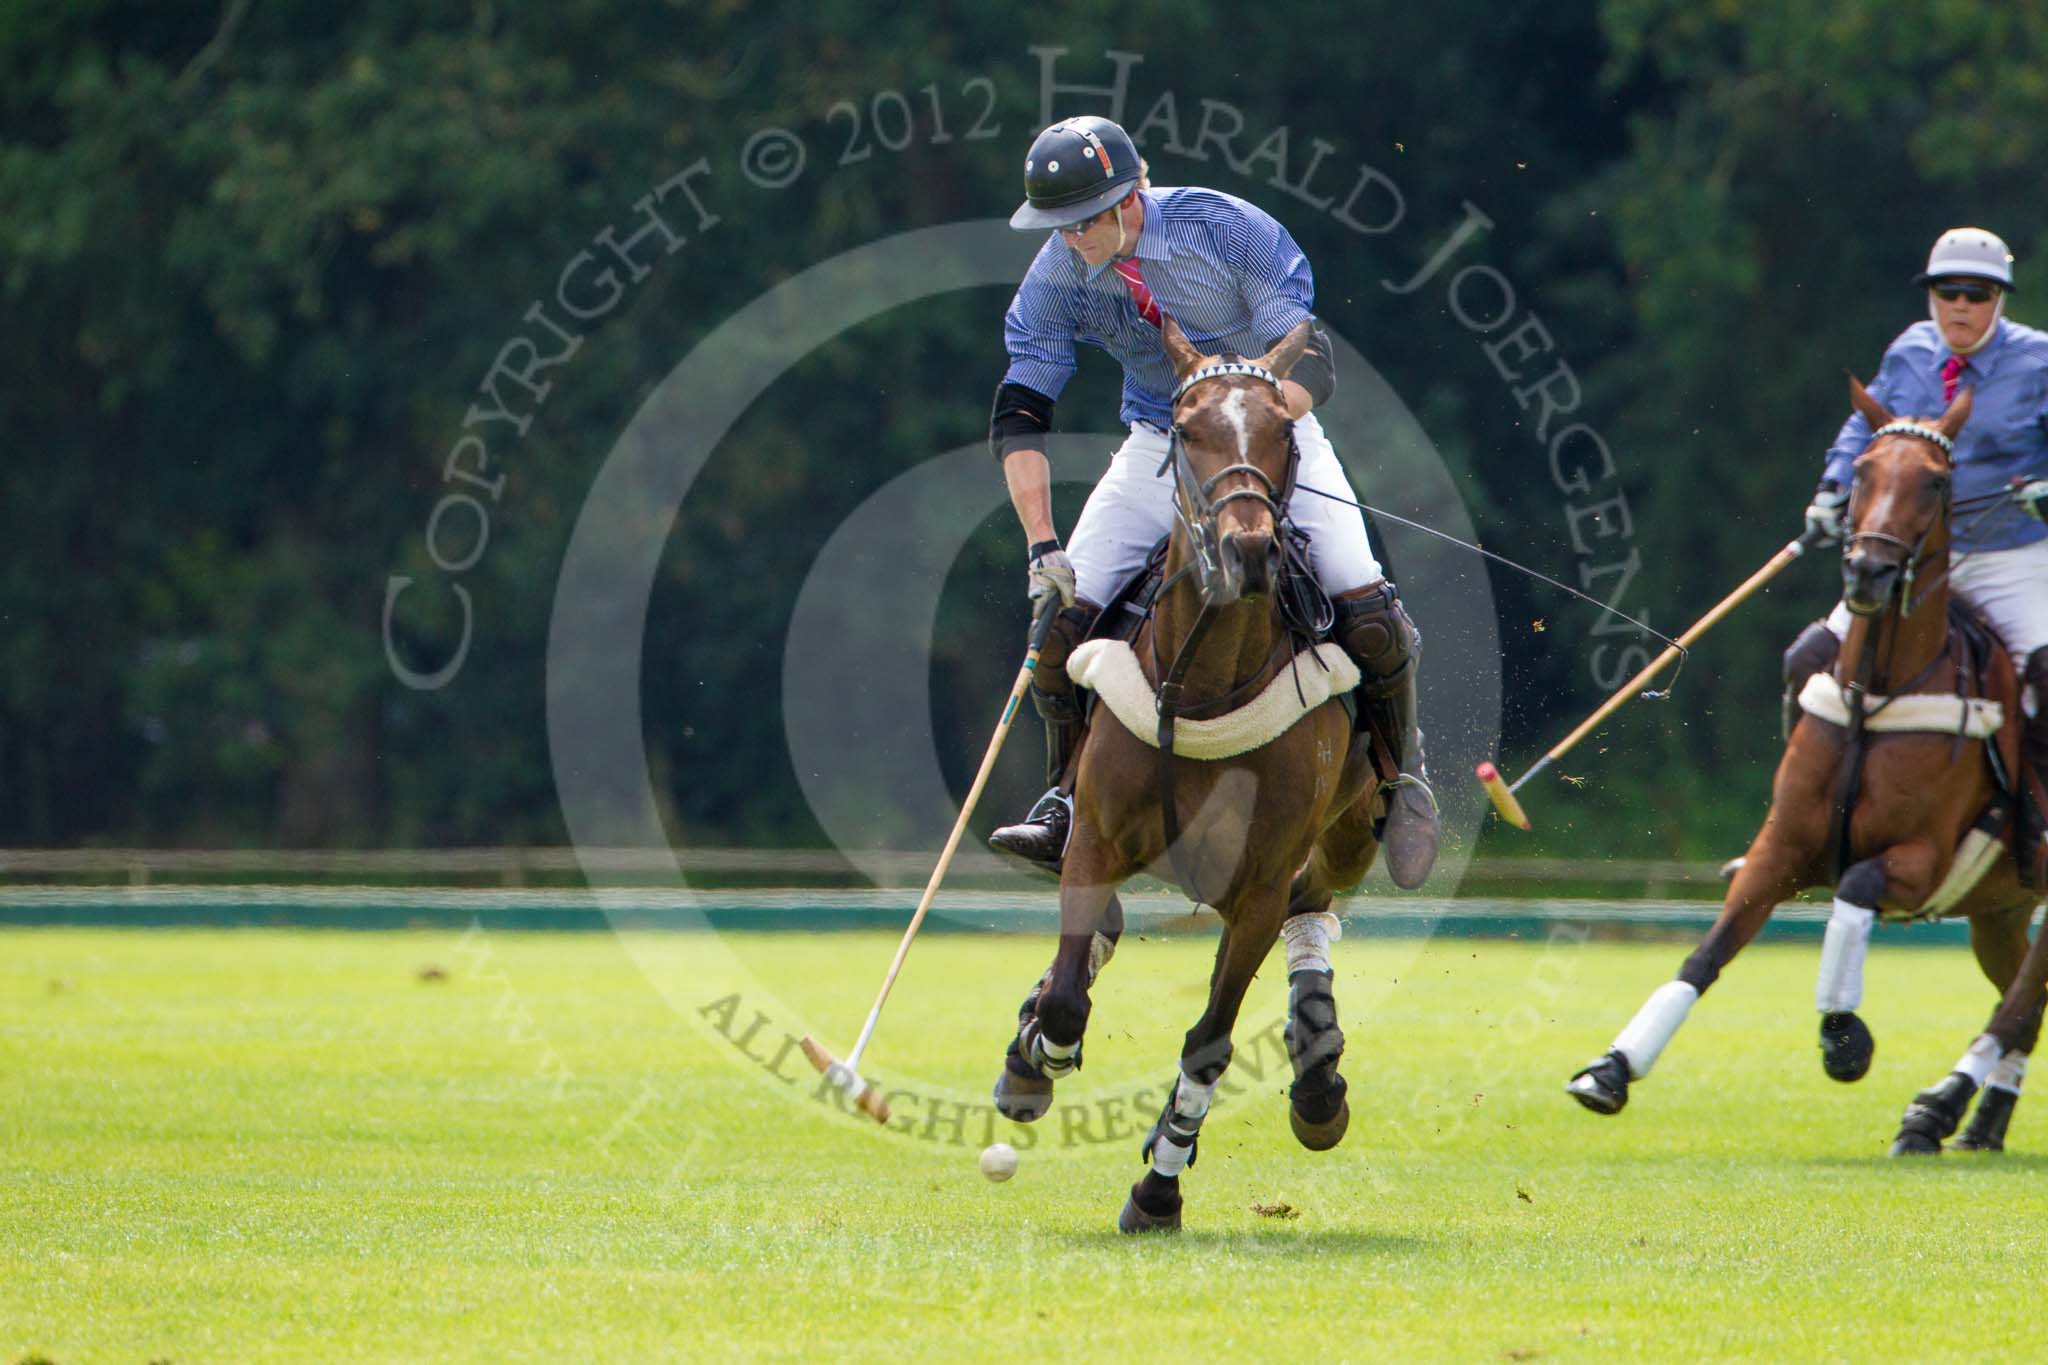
(1882, 781)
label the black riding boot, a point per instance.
(1375, 631)
(1815, 651)
(1039, 841)
(2033, 838)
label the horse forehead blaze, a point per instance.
(1238, 423)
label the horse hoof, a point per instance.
(1915, 1144)
(1320, 1137)
(1022, 1096)
(1135, 1220)
(1993, 1115)
(1602, 1084)
(1846, 1046)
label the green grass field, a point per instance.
(257, 1145)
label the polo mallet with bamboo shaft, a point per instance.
(846, 1075)
(1503, 795)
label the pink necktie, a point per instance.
(1134, 281)
(1951, 374)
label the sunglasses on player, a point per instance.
(1077, 229)
(1975, 293)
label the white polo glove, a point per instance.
(1824, 513)
(1050, 574)
(2033, 499)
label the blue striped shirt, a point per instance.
(2006, 436)
(1225, 270)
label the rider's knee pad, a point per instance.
(1375, 631)
(1052, 692)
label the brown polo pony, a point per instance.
(1877, 812)
(1261, 836)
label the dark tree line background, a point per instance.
(256, 258)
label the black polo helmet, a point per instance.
(1074, 170)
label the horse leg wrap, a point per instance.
(1993, 1114)
(1052, 1060)
(1171, 1144)
(1308, 938)
(1839, 987)
(1642, 1042)
(1934, 1114)
(1317, 1111)
(1982, 1060)
(1101, 949)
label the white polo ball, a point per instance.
(999, 1161)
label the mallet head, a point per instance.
(1503, 800)
(846, 1080)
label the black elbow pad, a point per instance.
(1020, 419)
(1316, 371)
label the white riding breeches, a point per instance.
(2008, 588)
(1133, 507)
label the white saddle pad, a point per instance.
(1975, 717)
(1111, 670)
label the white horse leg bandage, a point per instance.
(1059, 1055)
(1982, 1060)
(1642, 1042)
(2010, 1071)
(1169, 1158)
(1191, 1101)
(1183, 1120)
(1308, 939)
(1840, 984)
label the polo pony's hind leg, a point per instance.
(1054, 1015)
(2001, 956)
(1989, 1070)
(1318, 1111)
(1154, 1204)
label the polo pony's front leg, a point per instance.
(1154, 1204)
(1768, 876)
(1055, 1014)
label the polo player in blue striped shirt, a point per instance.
(1998, 565)
(1122, 254)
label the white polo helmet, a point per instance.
(1971, 253)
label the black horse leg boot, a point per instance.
(1375, 631)
(1039, 841)
(2033, 842)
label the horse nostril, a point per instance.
(1255, 555)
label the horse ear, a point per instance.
(1958, 413)
(1186, 359)
(1288, 350)
(1873, 411)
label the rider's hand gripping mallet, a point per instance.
(1503, 795)
(846, 1075)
